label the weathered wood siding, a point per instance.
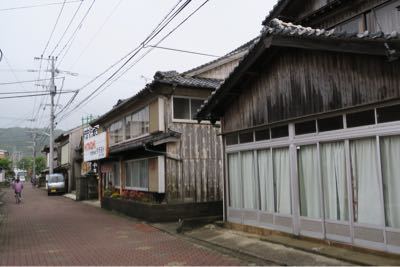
(304, 82)
(194, 173)
(220, 72)
(298, 10)
(386, 21)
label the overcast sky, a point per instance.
(111, 29)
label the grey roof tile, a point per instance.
(174, 78)
(279, 28)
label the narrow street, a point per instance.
(58, 231)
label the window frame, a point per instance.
(133, 187)
(122, 129)
(131, 114)
(190, 109)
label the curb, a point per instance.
(209, 244)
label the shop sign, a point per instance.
(95, 147)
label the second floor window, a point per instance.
(116, 134)
(137, 124)
(186, 108)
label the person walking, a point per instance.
(18, 186)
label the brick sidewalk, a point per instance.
(58, 231)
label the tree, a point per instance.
(26, 163)
(41, 163)
(6, 165)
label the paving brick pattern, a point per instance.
(58, 231)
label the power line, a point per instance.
(54, 27)
(72, 38)
(183, 51)
(13, 72)
(32, 95)
(160, 41)
(66, 29)
(29, 81)
(44, 50)
(30, 92)
(132, 51)
(42, 5)
(91, 97)
(153, 34)
(97, 32)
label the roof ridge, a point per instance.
(279, 27)
(237, 50)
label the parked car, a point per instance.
(55, 183)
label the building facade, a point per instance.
(69, 156)
(311, 127)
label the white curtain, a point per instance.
(266, 180)
(365, 180)
(310, 190)
(250, 196)
(137, 123)
(282, 180)
(235, 185)
(390, 157)
(333, 168)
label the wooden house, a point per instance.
(310, 120)
(68, 157)
(160, 153)
(350, 16)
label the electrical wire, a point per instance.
(182, 51)
(92, 96)
(67, 28)
(95, 35)
(161, 25)
(28, 81)
(42, 5)
(25, 92)
(32, 95)
(153, 34)
(54, 28)
(147, 52)
(72, 38)
(45, 48)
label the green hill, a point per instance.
(20, 140)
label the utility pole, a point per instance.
(53, 91)
(34, 158)
(52, 94)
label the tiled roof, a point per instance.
(174, 78)
(279, 8)
(275, 11)
(277, 27)
(169, 78)
(238, 50)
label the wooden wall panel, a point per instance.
(220, 72)
(303, 82)
(198, 176)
